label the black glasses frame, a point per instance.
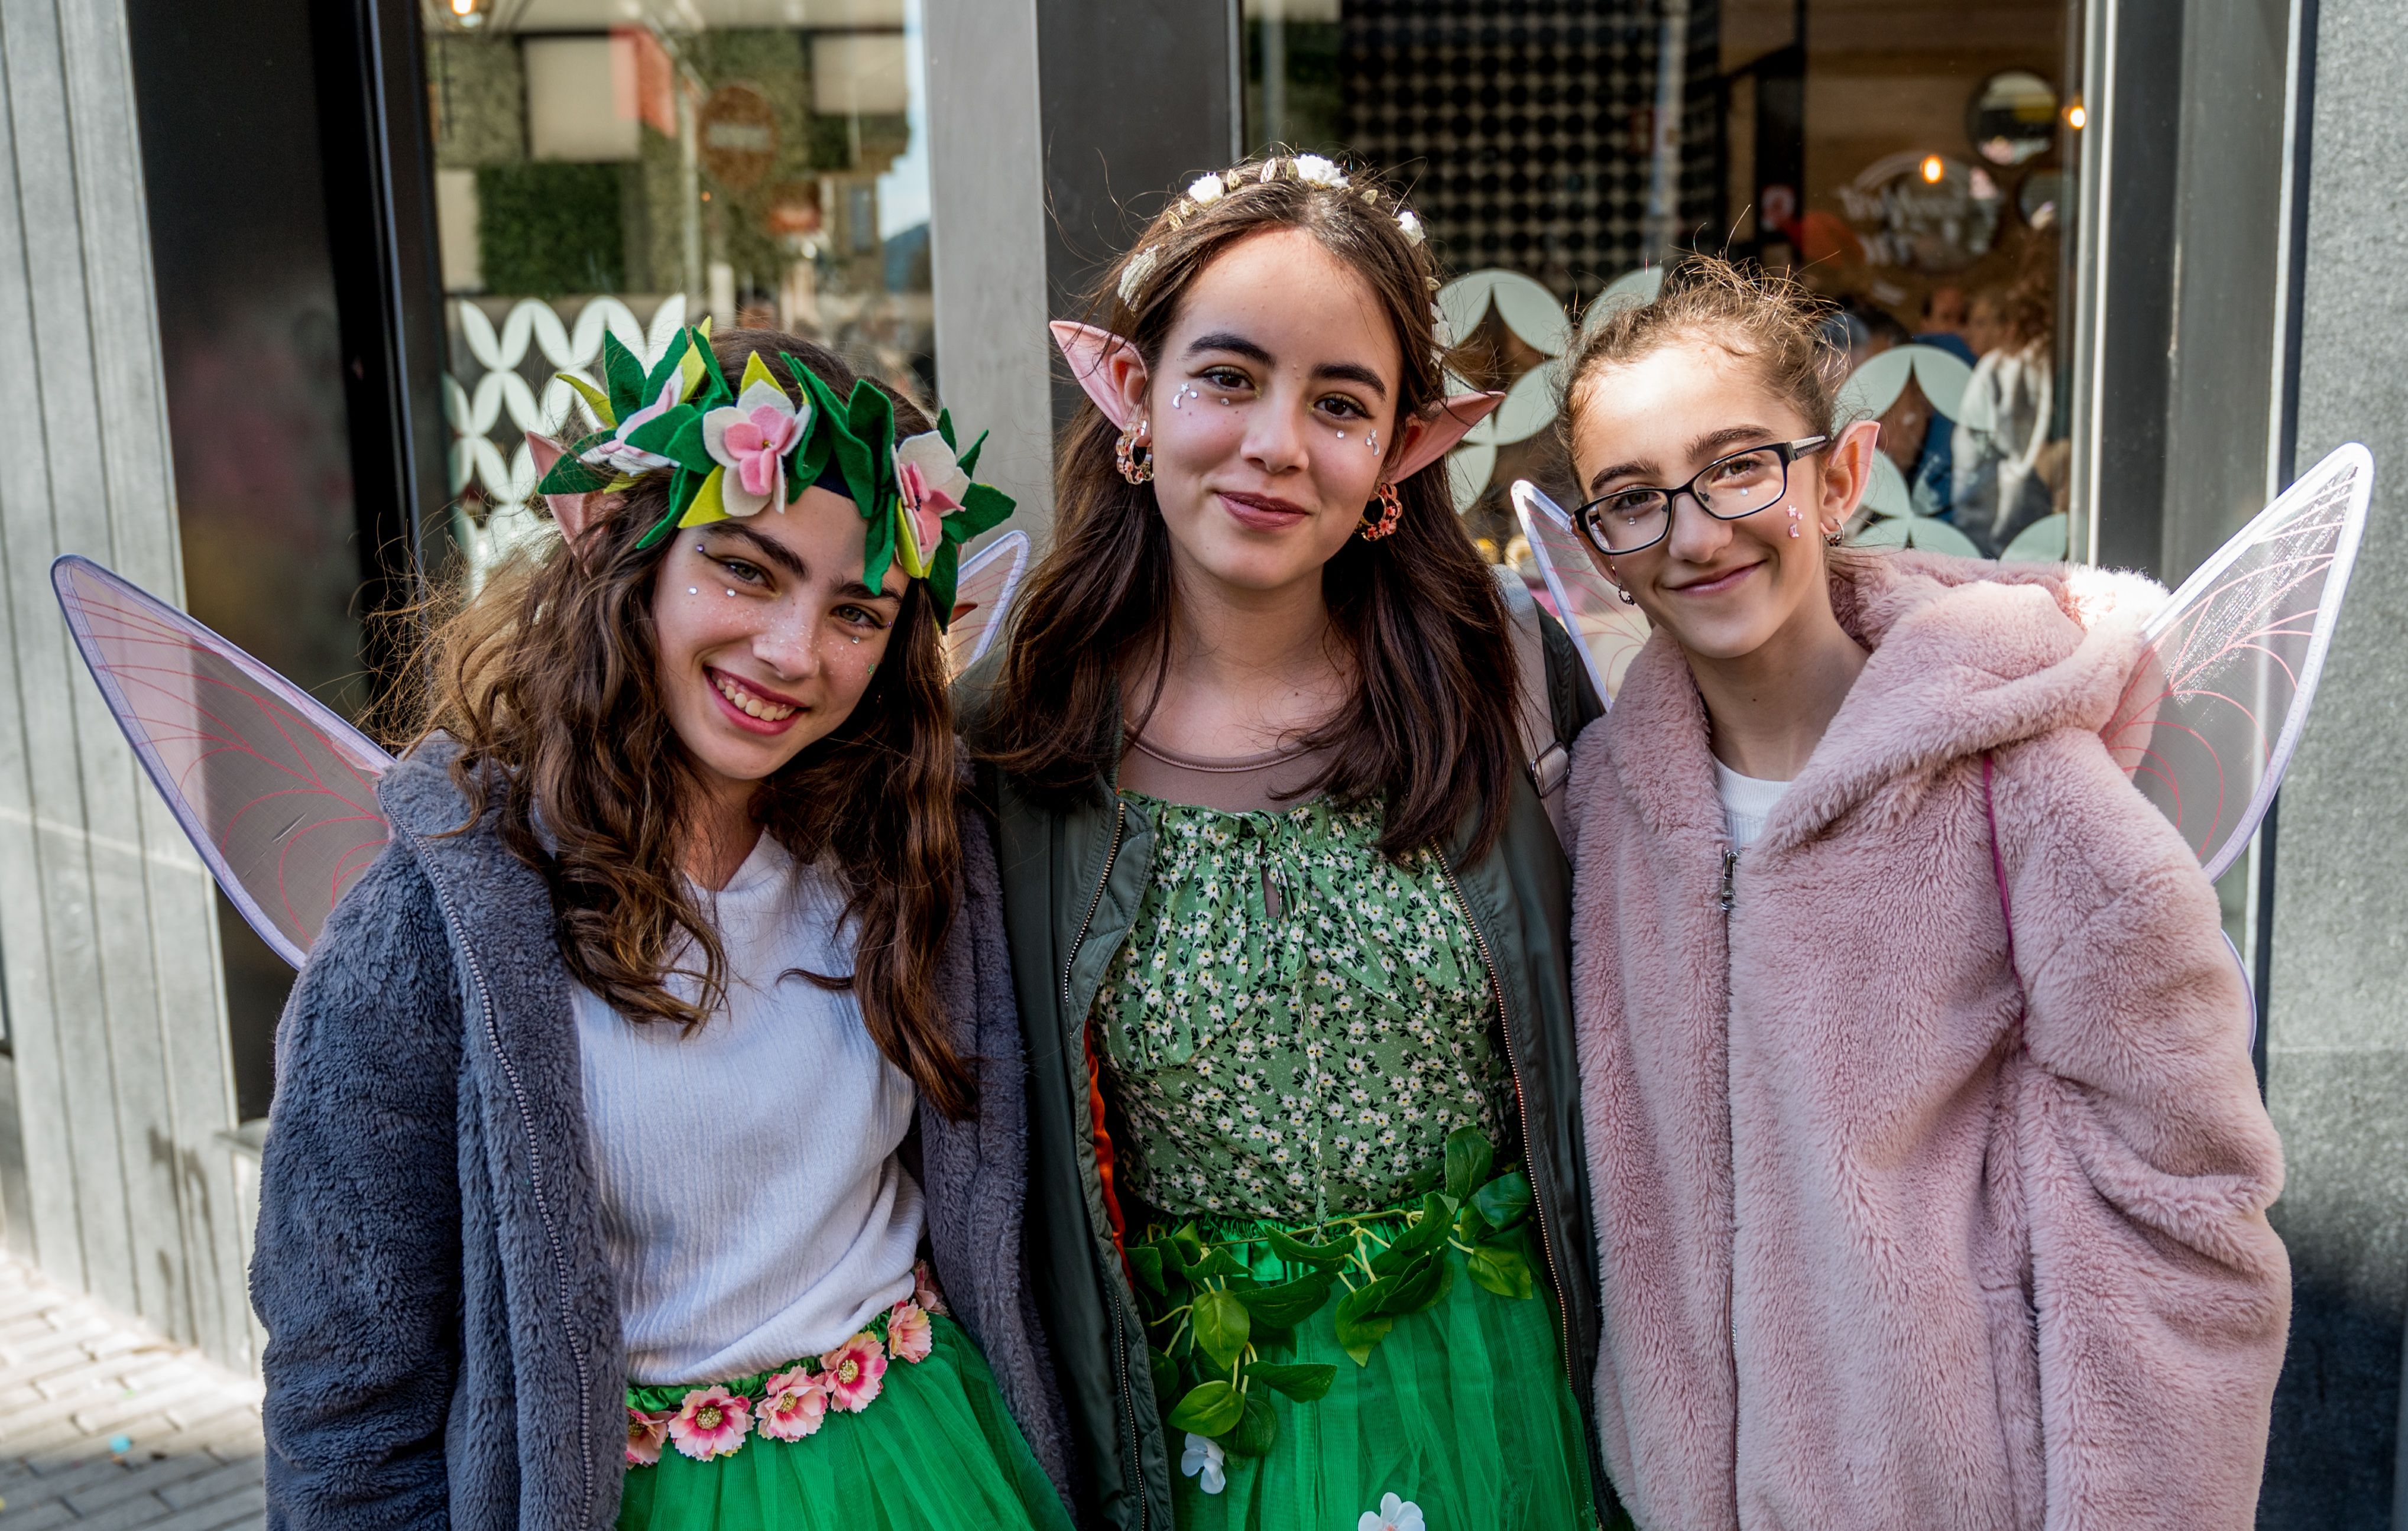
(1788, 452)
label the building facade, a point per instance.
(286, 285)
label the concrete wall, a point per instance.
(2338, 1026)
(109, 954)
(987, 180)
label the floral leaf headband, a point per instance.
(1307, 169)
(733, 454)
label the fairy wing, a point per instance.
(982, 598)
(1611, 633)
(277, 793)
(2207, 724)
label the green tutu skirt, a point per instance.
(931, 1445)
(1460, 1418)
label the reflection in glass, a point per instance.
(631, 165)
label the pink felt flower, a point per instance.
(932, 485)
(796, 1405)
(923, 1289)
(645, 1433)
(908, 1334)
(712, 1422)
(750, 439)
(854, 1373)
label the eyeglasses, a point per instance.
(1732, 486)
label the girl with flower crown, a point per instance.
(618, 1098)
(1286, 912)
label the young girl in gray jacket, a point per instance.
(588, 1193)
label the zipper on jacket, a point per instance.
(1728, 900)
(1521, 1104)
(535, 1162)
(1120, 1327)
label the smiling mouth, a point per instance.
(750, 703)
(1715, 584)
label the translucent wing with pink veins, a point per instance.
(277, 793)
(1611, 633)
(982, 598)
(2208, 722)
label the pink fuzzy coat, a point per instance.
(1982, 1239)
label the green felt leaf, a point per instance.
(810, 457)
(1166, 1375)
(1505, 1200)
(945, 427)
(1500, 1269)
(1210, 1408)
(982, 505)
(571, 476)
(623, 374)
(1297, 1251)
(1469, 1156)
(1256, 1430)
(1419, 1239)
(1221, 1327)
(1290, 1303)
(968, 460)
(674, 433)
(1304, 1383)
(672, 364)
(1359, 1325)
(1146, 1261)
(944, 584)
(596, 400)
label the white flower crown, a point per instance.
(1311, 169)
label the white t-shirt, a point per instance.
(751, 1200)
(1747, 802)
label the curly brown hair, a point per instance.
(547, 680)
(1429, 729)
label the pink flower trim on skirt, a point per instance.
(714, 1420)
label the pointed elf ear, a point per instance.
(569, 511)
(1432, 435)
(1106, 365)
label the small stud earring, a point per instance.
(690, 591)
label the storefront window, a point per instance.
(633, 165)
(1910, 159)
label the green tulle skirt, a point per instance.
(934, 1449)
(1463, 1411)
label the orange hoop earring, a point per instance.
(1135, 438)
(1390, 509)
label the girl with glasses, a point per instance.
(1285, 909)
(1930, 1169)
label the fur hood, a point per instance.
(1968, 657)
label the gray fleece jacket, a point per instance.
(443, 1327)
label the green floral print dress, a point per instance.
(1298, 1035)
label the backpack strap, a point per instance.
(1544, 754)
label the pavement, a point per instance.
(106, 1426)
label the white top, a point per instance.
(751, 1200)
(1747, 802)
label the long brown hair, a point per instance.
(547, 680)
(1428, 729)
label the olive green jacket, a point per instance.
(1072, 879)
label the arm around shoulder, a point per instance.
(2161, 1293)
(356, 1267)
